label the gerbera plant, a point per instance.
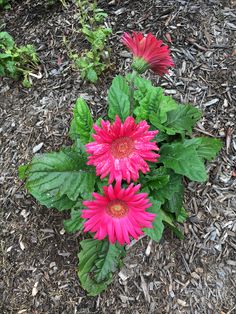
(122, 177)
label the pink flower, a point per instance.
(119, 214)
(149, 52)
(120, 149)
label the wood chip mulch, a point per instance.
(38, 259)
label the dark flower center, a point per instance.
(122, 147)
(117, 208)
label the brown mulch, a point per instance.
(38, 263)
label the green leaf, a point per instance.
(75, 223)
(163, 111)
(150, 99)
(207, 148)
(92, 76)
(156, 232)
(166, 104)
(182, 215)
(26, 82)
(6, 41)
(173, 192)
(147, 102)
(160, 220)
(161, 137)
(182, 119)
(87, 258)
(156, 179)
(54, 178)
(79, 147)
(165, 186)
(11, 68)
(2, 70)
(22, 170)
(50, 201)
(5, 55)
(97, 261)
(168, 219)
(4, 4)
(118, 98)
(109, 261)
(183, 159)
(83, 122)
(73, 133)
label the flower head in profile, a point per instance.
(122, 149)
(118, 214)
(148, 52)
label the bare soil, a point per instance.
(38, 264)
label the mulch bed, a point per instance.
(38, 264)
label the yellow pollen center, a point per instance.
(122, 147)
(117, 208)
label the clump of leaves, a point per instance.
(94, 61)
(62, 179)
(16, 62)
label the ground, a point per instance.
(38, 265)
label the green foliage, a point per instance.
(206, 147)
(75, 223)
(183, 158)
(94, 61)
(162, 218)
(164, 112)
(118, 98)
(63, 180)
(182, 215)
(16, 62)
(166, 190)
(59, 178)
(82, 123)
(4, 4)
(180, 155)
(97, 261)
(180, 120)
(187, 157)
(158, 227)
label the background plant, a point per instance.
(16, 62)
(95, 60)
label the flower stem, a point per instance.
(132, 79)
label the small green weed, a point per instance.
(93, 62)
(16, 62)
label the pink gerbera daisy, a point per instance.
(119, 214)
(120, 149)
(149, 52)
